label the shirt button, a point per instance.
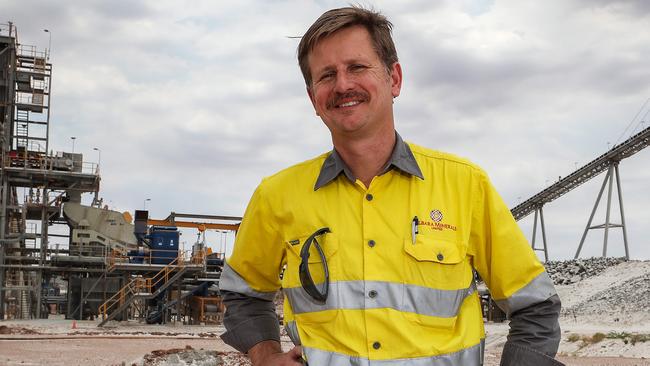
(371, 243)
(369, 197)
(372, 294)
(376, 345)
(440, 256)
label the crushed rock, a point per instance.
(631, 296)
(575, 270)
(187, 356)
(192, 357)
(234, 359)
(16, 330)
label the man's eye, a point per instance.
(356, 68)
(327, 76)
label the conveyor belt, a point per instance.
(619, 152)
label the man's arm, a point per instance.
(250, 278)
(516, 279)
(534, 335)
(252, 327)
(248, 321)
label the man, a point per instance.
(376, 243)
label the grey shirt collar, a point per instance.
(401, 158)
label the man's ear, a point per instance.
(311, 98)
(396, 79)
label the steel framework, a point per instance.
(33, 183)
(40, 189)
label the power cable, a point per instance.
(641, 122)
(643, 107)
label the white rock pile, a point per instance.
(631, 296)
(575, 270)
(603, 289)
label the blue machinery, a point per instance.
(161, 243)
(176, 278)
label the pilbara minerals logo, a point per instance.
(436, 215)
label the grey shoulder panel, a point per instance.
(536, 291)
(232, 281)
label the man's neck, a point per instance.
(366, 157)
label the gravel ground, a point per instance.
(89, 351)
(614, 301)
(171, 348)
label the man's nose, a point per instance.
(344, 82)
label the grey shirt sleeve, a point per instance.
(248, 321)
(534, 335)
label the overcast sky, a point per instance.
(193, 103)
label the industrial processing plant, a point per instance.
(113, 266)
(115, 287)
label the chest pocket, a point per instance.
(436, 280)
(435, 262)
(304, 308)
(328, 242)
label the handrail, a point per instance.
(139, 285)
(182, 258)
(163, 274)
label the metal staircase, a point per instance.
(141, 288)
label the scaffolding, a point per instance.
(109, 272)
(33, 183)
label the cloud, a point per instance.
(192, 106)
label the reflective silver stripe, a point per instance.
(292, 331)
(467, 357)
(232, 281)
(398, 296)
(536, 291)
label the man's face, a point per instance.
(351, 89)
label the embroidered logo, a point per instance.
(436, 215)
(436, 222)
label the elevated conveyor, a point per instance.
(628, 148)
(606, 162)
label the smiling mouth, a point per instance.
(348, 104)
(348, 100)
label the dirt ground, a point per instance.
(54, 342)
(90, 351)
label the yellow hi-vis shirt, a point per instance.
(394, 296)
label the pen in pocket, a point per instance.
(414, 228)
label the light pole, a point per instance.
(73, 138)
(49, 43)
(223, 243)
(144, 203)
(99, 159)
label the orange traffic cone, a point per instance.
(74, 324)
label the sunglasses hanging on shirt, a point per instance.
(314, 274)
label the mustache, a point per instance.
(336, 99)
